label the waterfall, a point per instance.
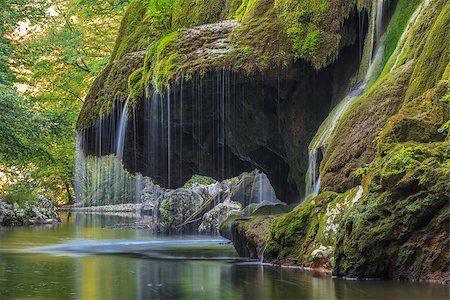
(169, 139)
(80, 166)
(262, 190)
(379, 20)
(320, 141)
(138, 188)
(119, 178)
(120, 140)
(155, 132)
(312, 174)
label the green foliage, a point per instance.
(19, 130)
(166, 210)
(19, 194)
(144, 22)
(53, 64)
(406, 158)
(189, 13)
(203, 180)
(399, 20)
(361, 171)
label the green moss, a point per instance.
(132, 33)
(419, 119)
(431, 63)
(291, 237)
(301, 19)
(166, 210)
(404, 9)
(136, 86)
(406, 188)
(166, 62)
(279, 31)
(189, 13)
(240, 11)
(353, 143)
(203, 180)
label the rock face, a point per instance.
(212, 219)
(42, 211)
(395, 231)
(299, 237)
(248, 234)
(215, 79)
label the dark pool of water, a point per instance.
(83, 258)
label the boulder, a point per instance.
(212, 219)
(41, 211)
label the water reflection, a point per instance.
(104, 272)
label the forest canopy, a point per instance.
(50, 52)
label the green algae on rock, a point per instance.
(295, 237)
(407, 201)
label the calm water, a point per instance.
(83, 258)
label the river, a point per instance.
(88, 256)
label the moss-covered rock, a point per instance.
(190, 13)
(248, 234)
(405, 83)
(419, 119)
(35, 212)
(407, 201)
(199, 179)
(428, 45)
(110, 86)
(358, 130)
(299, 236)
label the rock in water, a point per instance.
(212, 219)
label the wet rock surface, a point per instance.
(41, 211)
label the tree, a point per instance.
(67, 44)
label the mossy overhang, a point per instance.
(266, 37)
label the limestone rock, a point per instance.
(212, 219)
(42, 211)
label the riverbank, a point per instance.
(39, 211)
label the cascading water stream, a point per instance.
(120, 140)
(169, 140)
(379, 20)
(80, 165)
(320, 141)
